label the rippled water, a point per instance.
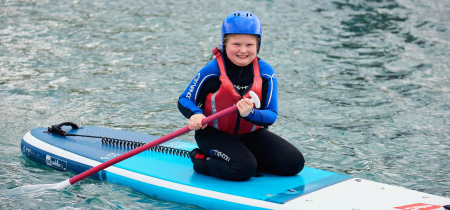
(363, 85)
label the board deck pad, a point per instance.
(178, 169)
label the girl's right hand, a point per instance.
(195, 122)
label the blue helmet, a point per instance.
(242, 22)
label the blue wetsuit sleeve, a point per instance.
(187, 107)
(269, 113)
(189, 99)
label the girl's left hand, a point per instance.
(245, 106)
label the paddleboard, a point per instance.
(166, 173)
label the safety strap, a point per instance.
(56, 129)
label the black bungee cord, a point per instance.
(56, 129)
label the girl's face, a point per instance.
(241, 49)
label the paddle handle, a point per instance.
(149, 145)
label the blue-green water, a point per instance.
(364, 86)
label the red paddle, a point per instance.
(138, 150)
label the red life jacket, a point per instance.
(228, 96)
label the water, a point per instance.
(363, 85)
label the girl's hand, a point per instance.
(195, 122)
(245, 106)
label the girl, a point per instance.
(237, 145)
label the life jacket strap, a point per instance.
(220, 61)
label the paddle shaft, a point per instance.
(149, 145)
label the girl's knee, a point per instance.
(243, 168)
(293, 164)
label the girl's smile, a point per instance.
(241, 48)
